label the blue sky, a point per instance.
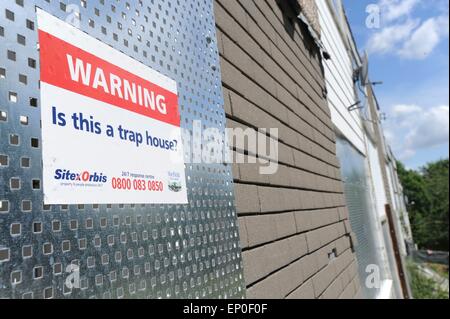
(408, 46)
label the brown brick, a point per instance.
(243, 232)
(323, 255)
(334, 290)
(271, 199)
(294, 277)
(247, 112)
(227, 102)
(323, 279)
(231, 75)
(313, 240)
(277, 285)
(306, 200)
(348, 293)
(268, 288)
(353, 269)
(345, 277)
(287, 135)
(223, 20)
(254, 266)
(261, 229)
(219, 41)
(328, 234)
(305, 291)
(256, 33)
(319, 200)
(234, 10)
(277, 255)
(323, 217)
(259, 19)
(246, 198)
(340, 228)
(342, 244)
(353, 240)
(282, 177)
(303, 220)
(309, 266)
(262, 261)
(250, 171)
(344, 261)
(285, 225)
(236, 173)
(291, 199)
(358, 288)
(298, 246)
(237, 57)
(348, 227)
(286, 155)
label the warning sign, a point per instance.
(110, 125)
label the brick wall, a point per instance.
(294, 227)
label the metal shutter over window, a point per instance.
(357, 193)
(123, 251)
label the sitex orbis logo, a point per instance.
(67, 175)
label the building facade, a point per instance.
(294, 226)
(309, 207)
(368, 165)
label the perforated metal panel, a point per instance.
(123, 251)
(360, 207)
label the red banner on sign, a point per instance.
(68, 67)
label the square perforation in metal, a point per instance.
(123, 251)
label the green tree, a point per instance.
(436, 180)
(427, 190)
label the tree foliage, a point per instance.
(428, 194)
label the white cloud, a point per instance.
(389, 38)
(430, 129)
(401, 110)
(425, 38)
(412, 128)
(395, 9)
(406, 36)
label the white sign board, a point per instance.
(110, 125)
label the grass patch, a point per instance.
(442, 270)
(423, 287)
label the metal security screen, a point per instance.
(357, 193)
(122, 251)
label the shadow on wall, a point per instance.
(291, 10)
